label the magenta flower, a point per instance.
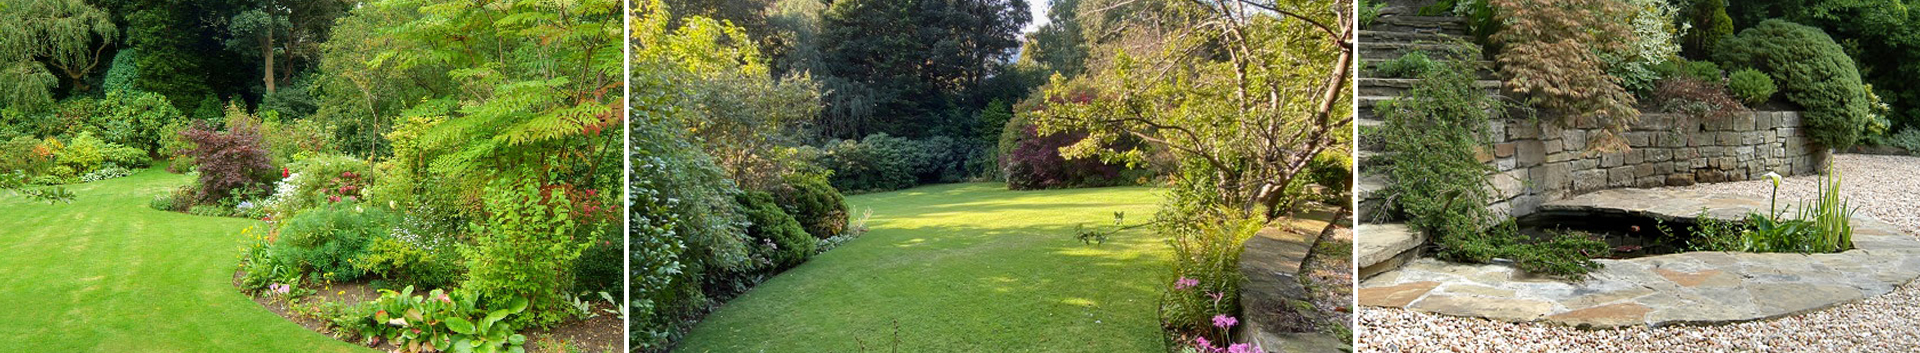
(1224, 321)
(1202, 342)
(1185, 283)
(1244, 348)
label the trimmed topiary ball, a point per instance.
(1811, 70)
(1751, 86)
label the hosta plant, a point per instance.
(438, 321)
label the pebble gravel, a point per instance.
(1885, 187)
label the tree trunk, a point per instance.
(266, 52)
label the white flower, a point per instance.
(1775, 177)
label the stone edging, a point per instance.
(1685, 288)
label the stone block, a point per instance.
(1612, 159)
(1503, 149)
(1620, 177)
(1636, 156)
(1520, 129)
(1679, 179)
(1659, 155)
(1638, 138)
(1530, 152)
(1743, 122)
(1591, 179)
(1575, 139)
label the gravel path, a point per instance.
(1886, 187)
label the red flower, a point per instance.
(286, 173)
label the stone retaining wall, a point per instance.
(1537, 161)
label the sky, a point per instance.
(1039, 10)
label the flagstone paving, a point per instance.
(1684, 288)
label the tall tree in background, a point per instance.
(253, 32)
(1058, 46)
(898, 65)
(67, 34)
(164, 33)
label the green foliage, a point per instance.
(778, 241)
(109, 172)
(1705, 71)
(1564, 55)
(812, 201)
(897, 66)
(527, 249)
(323, 243)
(136, 119)
(320, 180)
(123, 72)
(1907, 139)
(1411, 65)
(1812, 71)
(1653, 41)
(45, 36)
(1437, 183)
(1369, 11)
(1830, 216)
(1209, 255)
(438, 321)
(411, 263)
(1710, 25)
(1751, 86)
(84, 154)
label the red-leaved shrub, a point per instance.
(231, 162)
(1036, 164)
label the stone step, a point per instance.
(1394, 87)
(1421, 24)
(1368, 36)
(1382, 247)
(1389, 51)
(1485, 72)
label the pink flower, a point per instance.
(1185, 283)
(1224, 321)
(1216, 297)
(1244, 348)
(1202, 342)
(334, 198)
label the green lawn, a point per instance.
(963, 268)
(108, 274)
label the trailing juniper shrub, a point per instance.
(1438, 185)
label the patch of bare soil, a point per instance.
(602, 333)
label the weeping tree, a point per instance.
(68, 35)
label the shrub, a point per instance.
(409, 262)
(1908, 139)
(438, 321)
(1652, 42)
(319, 180)
(136, 119)
(777, 238)
(324, 242)
(108, 172)
(1560, 53)
(210, 211)
(1036, 164)
(1751, 86)
(526, 248)
(122, 71)
(1811, 70)
(230, 162)
(163, 202)
(812, 201)
(1710, 25)
(286, 139)
(1696, 98)
(601, 265)
(875, 163)
(1411, 65)
(176, 148)
(1700, 70)
(24, 154)
(1369, 11)
(84, 154)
